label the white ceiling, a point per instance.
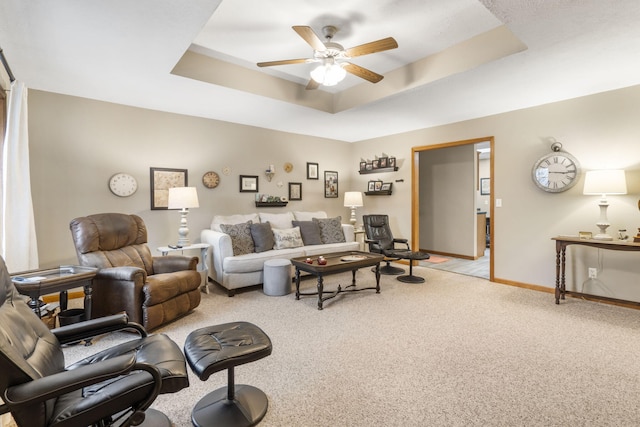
(124, 51)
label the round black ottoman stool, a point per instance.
(214, 348)
(413, 256)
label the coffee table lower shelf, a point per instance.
(336, 263)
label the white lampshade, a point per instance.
(183, 197)
(353, 199)
(605, 182)
(328, 74)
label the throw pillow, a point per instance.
(262, 237)
(330, 229)
(218, 220)
(241, 239)
(277, 220)
(287, 237)
(310, 232)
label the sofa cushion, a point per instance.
(232, 219)
(308, 216)
(277, 220)
(287, 238)
(241, 239)
(330, 229)
(310, 232)
(262, 237)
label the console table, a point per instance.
(561, 247)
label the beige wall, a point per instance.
(77, 144)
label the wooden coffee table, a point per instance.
(337, 263)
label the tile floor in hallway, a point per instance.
(476, 268)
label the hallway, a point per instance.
(477, 268)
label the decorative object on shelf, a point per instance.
(330, 184)
(312, 171)
(363, 166)
(226, 171)
(585, 235)
(271, 170)
(392, 163)
(622, 234)
(183, 198)
(485, 186)
(636, 238)
(375, 164)
(383, 162)
(210, 179)
(295, 191)
(379, 188)
(604, 182)
(122, 184)
(556, 171)
(353, 200)
(248, 183)
(267, 201)
(288, 167)
(162, 179)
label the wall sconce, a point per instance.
(604, 182)
(353, 200)
(183, 198)
(270, 172)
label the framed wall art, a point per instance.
(312, 171)
(162, 179)
(330, 184)
(485, 186)
(295, 191)
(248, 183)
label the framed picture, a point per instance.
(384, 162)
(386, 186)
(375, 163)
(295, 191)
(485, 186)
(162, 179)
(378, 186)
(330, 184)
(371, 186)
(369, 166)
(248, 183)
(363, 166)
(392, 162)
(312, 171)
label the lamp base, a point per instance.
(602, 237)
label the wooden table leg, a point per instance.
(320, 289)
(297, 283)
(558, 246)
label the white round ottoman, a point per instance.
(277, 277)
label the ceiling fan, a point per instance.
(333, 58)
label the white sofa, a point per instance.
(238, 271)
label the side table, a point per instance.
(203, 265)
(359, 232)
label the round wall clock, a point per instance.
(123, 184)
(557, 171)
(210, 179)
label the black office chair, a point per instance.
(113, 387)
(381, 240)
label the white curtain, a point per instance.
(19, 246)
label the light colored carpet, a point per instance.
(453, 351)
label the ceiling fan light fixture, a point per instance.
(328, 74)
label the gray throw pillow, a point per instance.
(262, 236)
(310, 232)
(241, 239)
(330, 229)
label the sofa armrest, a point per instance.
(349, 232)
(172, 263)
(221, 248)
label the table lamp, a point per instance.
(183, 198)
(604, 182)
(353, 200)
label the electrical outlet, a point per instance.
(593, 273)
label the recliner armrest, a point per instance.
(94, 327)
(121, 273)
(172, 263)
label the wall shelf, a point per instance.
(378, 193)
(271, 204)
(364, 172)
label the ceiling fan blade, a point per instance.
(284, 62)
(312, 85)
(372, 47)
(361, 72)
(310, 37)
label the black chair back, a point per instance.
(376, 228)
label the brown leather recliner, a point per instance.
(151, 290)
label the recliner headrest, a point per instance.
(107, 232)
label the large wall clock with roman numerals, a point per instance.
(556, 171)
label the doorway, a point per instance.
(446, 189)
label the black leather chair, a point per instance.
(381, 240)
(113, 387)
